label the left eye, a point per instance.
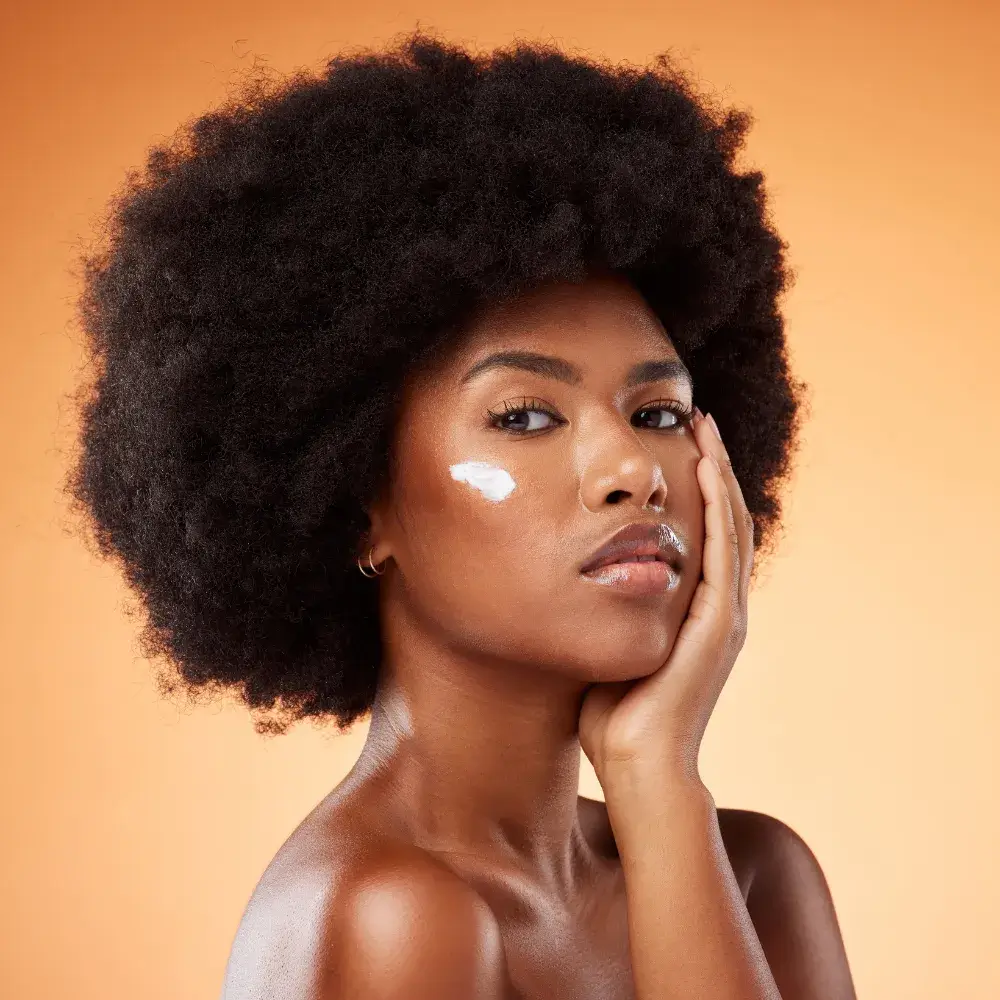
(675, 417)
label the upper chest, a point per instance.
(553, 949)
(557, 951)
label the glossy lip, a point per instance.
(639, 579)
(640, 538)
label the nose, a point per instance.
(620, 468)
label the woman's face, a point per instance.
(486, 558)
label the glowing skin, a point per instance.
(494, 483)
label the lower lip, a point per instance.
(636, 577)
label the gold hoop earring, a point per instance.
(374, 572)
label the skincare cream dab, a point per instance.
(493, 483)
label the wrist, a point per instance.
(637, 793)
(638, 778)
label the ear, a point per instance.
(375, 538)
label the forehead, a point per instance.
(604, 317)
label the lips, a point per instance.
(640, 538)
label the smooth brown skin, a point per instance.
(456, 859)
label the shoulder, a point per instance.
(409, 926)
(791, 906)
(756, 842)
(376, 919)
(754, 833)
(766, 840)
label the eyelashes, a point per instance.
(531, 405)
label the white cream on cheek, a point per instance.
(494, 483)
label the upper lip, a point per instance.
(640, 538)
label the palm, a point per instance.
(669, 708)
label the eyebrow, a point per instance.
(661, 369)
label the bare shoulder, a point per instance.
(411, 927)
(764, 841)
(352, 915)
(752, 840)
(792, 909)
(747, 832)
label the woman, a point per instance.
(395, 414)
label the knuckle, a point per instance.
(736, 632)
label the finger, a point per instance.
(713, 604)
(711, 444)
(721, 555)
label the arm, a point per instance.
(690, 935)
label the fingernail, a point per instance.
(715, 426)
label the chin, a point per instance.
(636, 665)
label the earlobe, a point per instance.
(367, 548)
(368, 555)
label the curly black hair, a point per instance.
(285, 260)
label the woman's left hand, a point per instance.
(658, 721)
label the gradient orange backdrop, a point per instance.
(863, 710)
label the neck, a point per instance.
(482, 755)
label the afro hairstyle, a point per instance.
(262, 288)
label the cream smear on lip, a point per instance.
(492, 482)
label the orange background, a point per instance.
(863, 710)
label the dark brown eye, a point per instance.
(502, 420)
(681, 414)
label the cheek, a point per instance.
(457, 519)
(464, 554)
(492, 482)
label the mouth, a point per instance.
(637, 543)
